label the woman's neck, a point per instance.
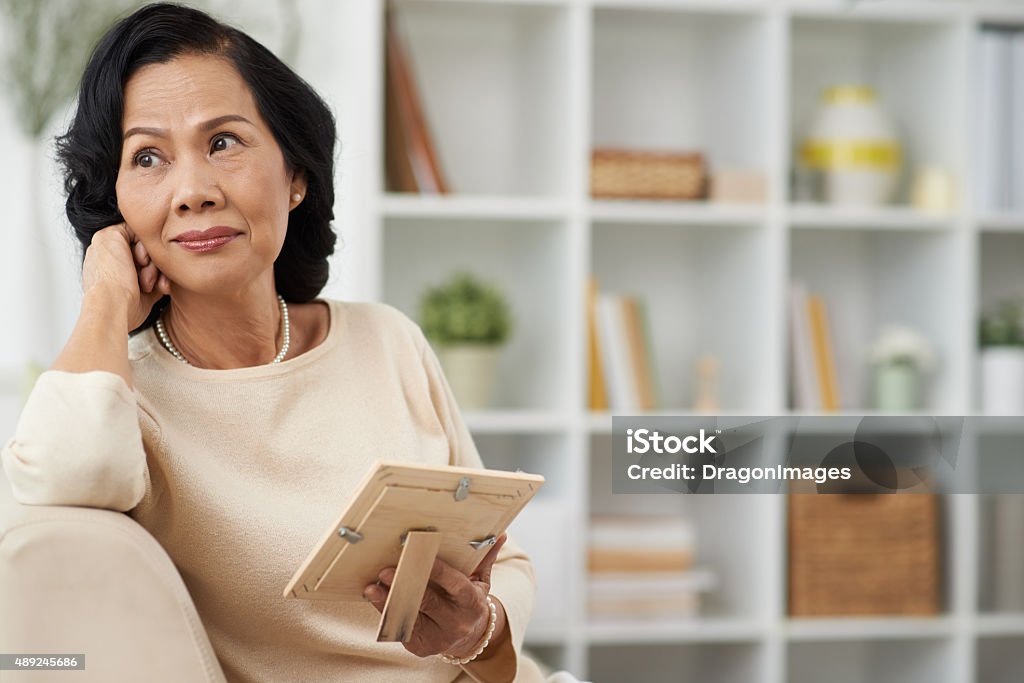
(239, 330)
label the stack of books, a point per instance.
(622, 374)
(815, 380)
(1000, 157)
(642, 566)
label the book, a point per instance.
(614, 348)
(674, 594)
(410, 160)
(824, 358)
(604, 560)
(651, 361)
(624, 353)
(803, 374)
(640, 543)
(665, 583)
(596, 369)
(639, 357)
(646, 606)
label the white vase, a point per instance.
(853, 146)
(896, 388)
(1002, 380)
(470, 371)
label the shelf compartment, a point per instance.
(913, 61)
(1000, 278)
(1000, 660)
(419, 253)
(734, 538)
(682, 81)
(543, 528)
(1000, 558)
(870, 279)
(999, 269)
(487, 67)
(716, 662)
(549, 656)
(877, 661)
(706, 291)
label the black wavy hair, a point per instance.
(90, 151)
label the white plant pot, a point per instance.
(896, 388)
(1002, 380)
(852, 144)
(470, 371)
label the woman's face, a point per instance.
(196, 154)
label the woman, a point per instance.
(206, 390)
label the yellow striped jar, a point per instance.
(853, 145)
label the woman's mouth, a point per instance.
(207, 244)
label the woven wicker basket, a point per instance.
(863, 554)
(625, 174)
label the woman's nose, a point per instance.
(196, 187)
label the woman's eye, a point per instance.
(146, 159)
(224, 142)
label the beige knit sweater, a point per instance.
(238, 472)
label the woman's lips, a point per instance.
(207, 244)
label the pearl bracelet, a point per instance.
(483, 645)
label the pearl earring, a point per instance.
(297, 196)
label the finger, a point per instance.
(483, 570)
(453, 582)
(386, 575)
(163, 284)
(140, 254)
(147, 278)
(376, 596)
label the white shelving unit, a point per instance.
(517, 92)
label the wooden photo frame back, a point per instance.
(403, 516)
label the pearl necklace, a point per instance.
(166, 340)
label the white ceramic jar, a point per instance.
(853, 145)
(1002, 380)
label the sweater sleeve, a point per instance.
(512, 577)
(78, 442)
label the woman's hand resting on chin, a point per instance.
(118, 264)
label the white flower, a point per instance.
(898, 344)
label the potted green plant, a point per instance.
(900, 357)
(467, 320)
(1001, 337)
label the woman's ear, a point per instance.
(297, 189)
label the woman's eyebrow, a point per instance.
(205, 126)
